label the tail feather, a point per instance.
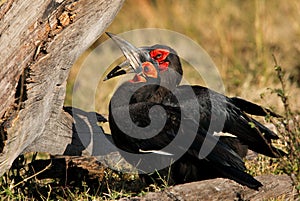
(238, 176)
(257, 137)
(236, 145)
(252, 108)
(268, 134)
(189, 169)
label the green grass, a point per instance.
(241, 37)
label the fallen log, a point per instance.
(275, 187)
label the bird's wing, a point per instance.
(217, 114)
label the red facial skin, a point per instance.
(160, 56)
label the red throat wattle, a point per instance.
(137, 78)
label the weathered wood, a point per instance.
(39, 42)
(223, 189)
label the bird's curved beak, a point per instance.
(134, 58)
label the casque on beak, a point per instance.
(134, 58)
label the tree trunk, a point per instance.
(39, 42)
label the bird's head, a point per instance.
(165, 56)
(170, 68)
(137, 61)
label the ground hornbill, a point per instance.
(158, 73)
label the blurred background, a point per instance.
(239, 36)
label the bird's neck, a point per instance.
(170, 79)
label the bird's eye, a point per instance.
(146, 69)
(158, 56)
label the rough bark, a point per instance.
(279, 187)
(39, 42)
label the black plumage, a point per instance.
(202, 112)
(215, 107)
(222, 161)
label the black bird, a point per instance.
(133, 101)
(214, 107)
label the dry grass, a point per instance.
(240, 37)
